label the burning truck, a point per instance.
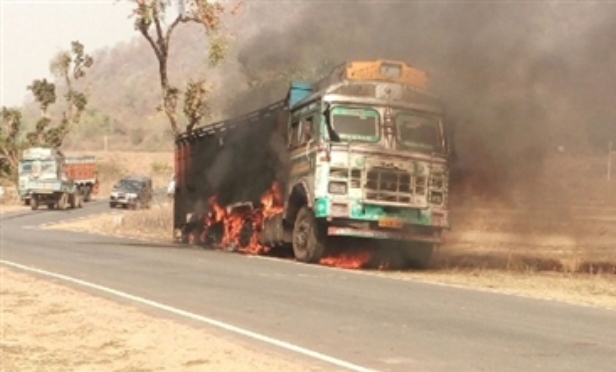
(363, 154)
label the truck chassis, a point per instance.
(60, 200)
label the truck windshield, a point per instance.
(25, 167)
(358, 124)
(419, 132)
(37, 167)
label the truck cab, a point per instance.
(369, 159)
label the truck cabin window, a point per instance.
(301, 132)
(419, 132)
(39, 167)
(357, 124)
(25, 167)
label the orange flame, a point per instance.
(242, 225)
(347, 260)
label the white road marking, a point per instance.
(213, 322)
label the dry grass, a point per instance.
(155, 224)
(584, 289)
(10, 202)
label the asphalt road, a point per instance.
(372, 321)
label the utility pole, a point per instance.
(609, 161)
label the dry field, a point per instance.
(155, 224)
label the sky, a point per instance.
(32, 32)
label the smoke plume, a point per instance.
(519, 79)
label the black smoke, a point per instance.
(519, 78)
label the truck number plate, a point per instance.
(390, 222)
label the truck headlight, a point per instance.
(339, 188)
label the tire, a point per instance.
(309, 237)
(72, 200)
(34, 203)
(419, 255)
(112, 205)
(62, 201)
(87, 193)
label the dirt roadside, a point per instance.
(47, 326)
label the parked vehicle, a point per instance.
(47, 181)
(134, 192)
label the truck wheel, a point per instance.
(419, 255)
(112, 205)
(62, 201)
(79, 200)
(72, 200)
(87, 190)
(34, 203)
(309, 237)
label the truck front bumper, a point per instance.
(361, 229)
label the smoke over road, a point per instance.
(519, 78)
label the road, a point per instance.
(371, 321)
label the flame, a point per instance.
(239, 228)
(242, 225)
(347, 260)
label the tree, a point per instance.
(150, 21)
(69, 66)
(9, 140)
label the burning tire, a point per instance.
(308, 237)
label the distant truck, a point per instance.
(363, 153)
(47, 177)
(81, 170)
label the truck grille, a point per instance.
(394, 186)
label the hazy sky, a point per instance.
(32, 32)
